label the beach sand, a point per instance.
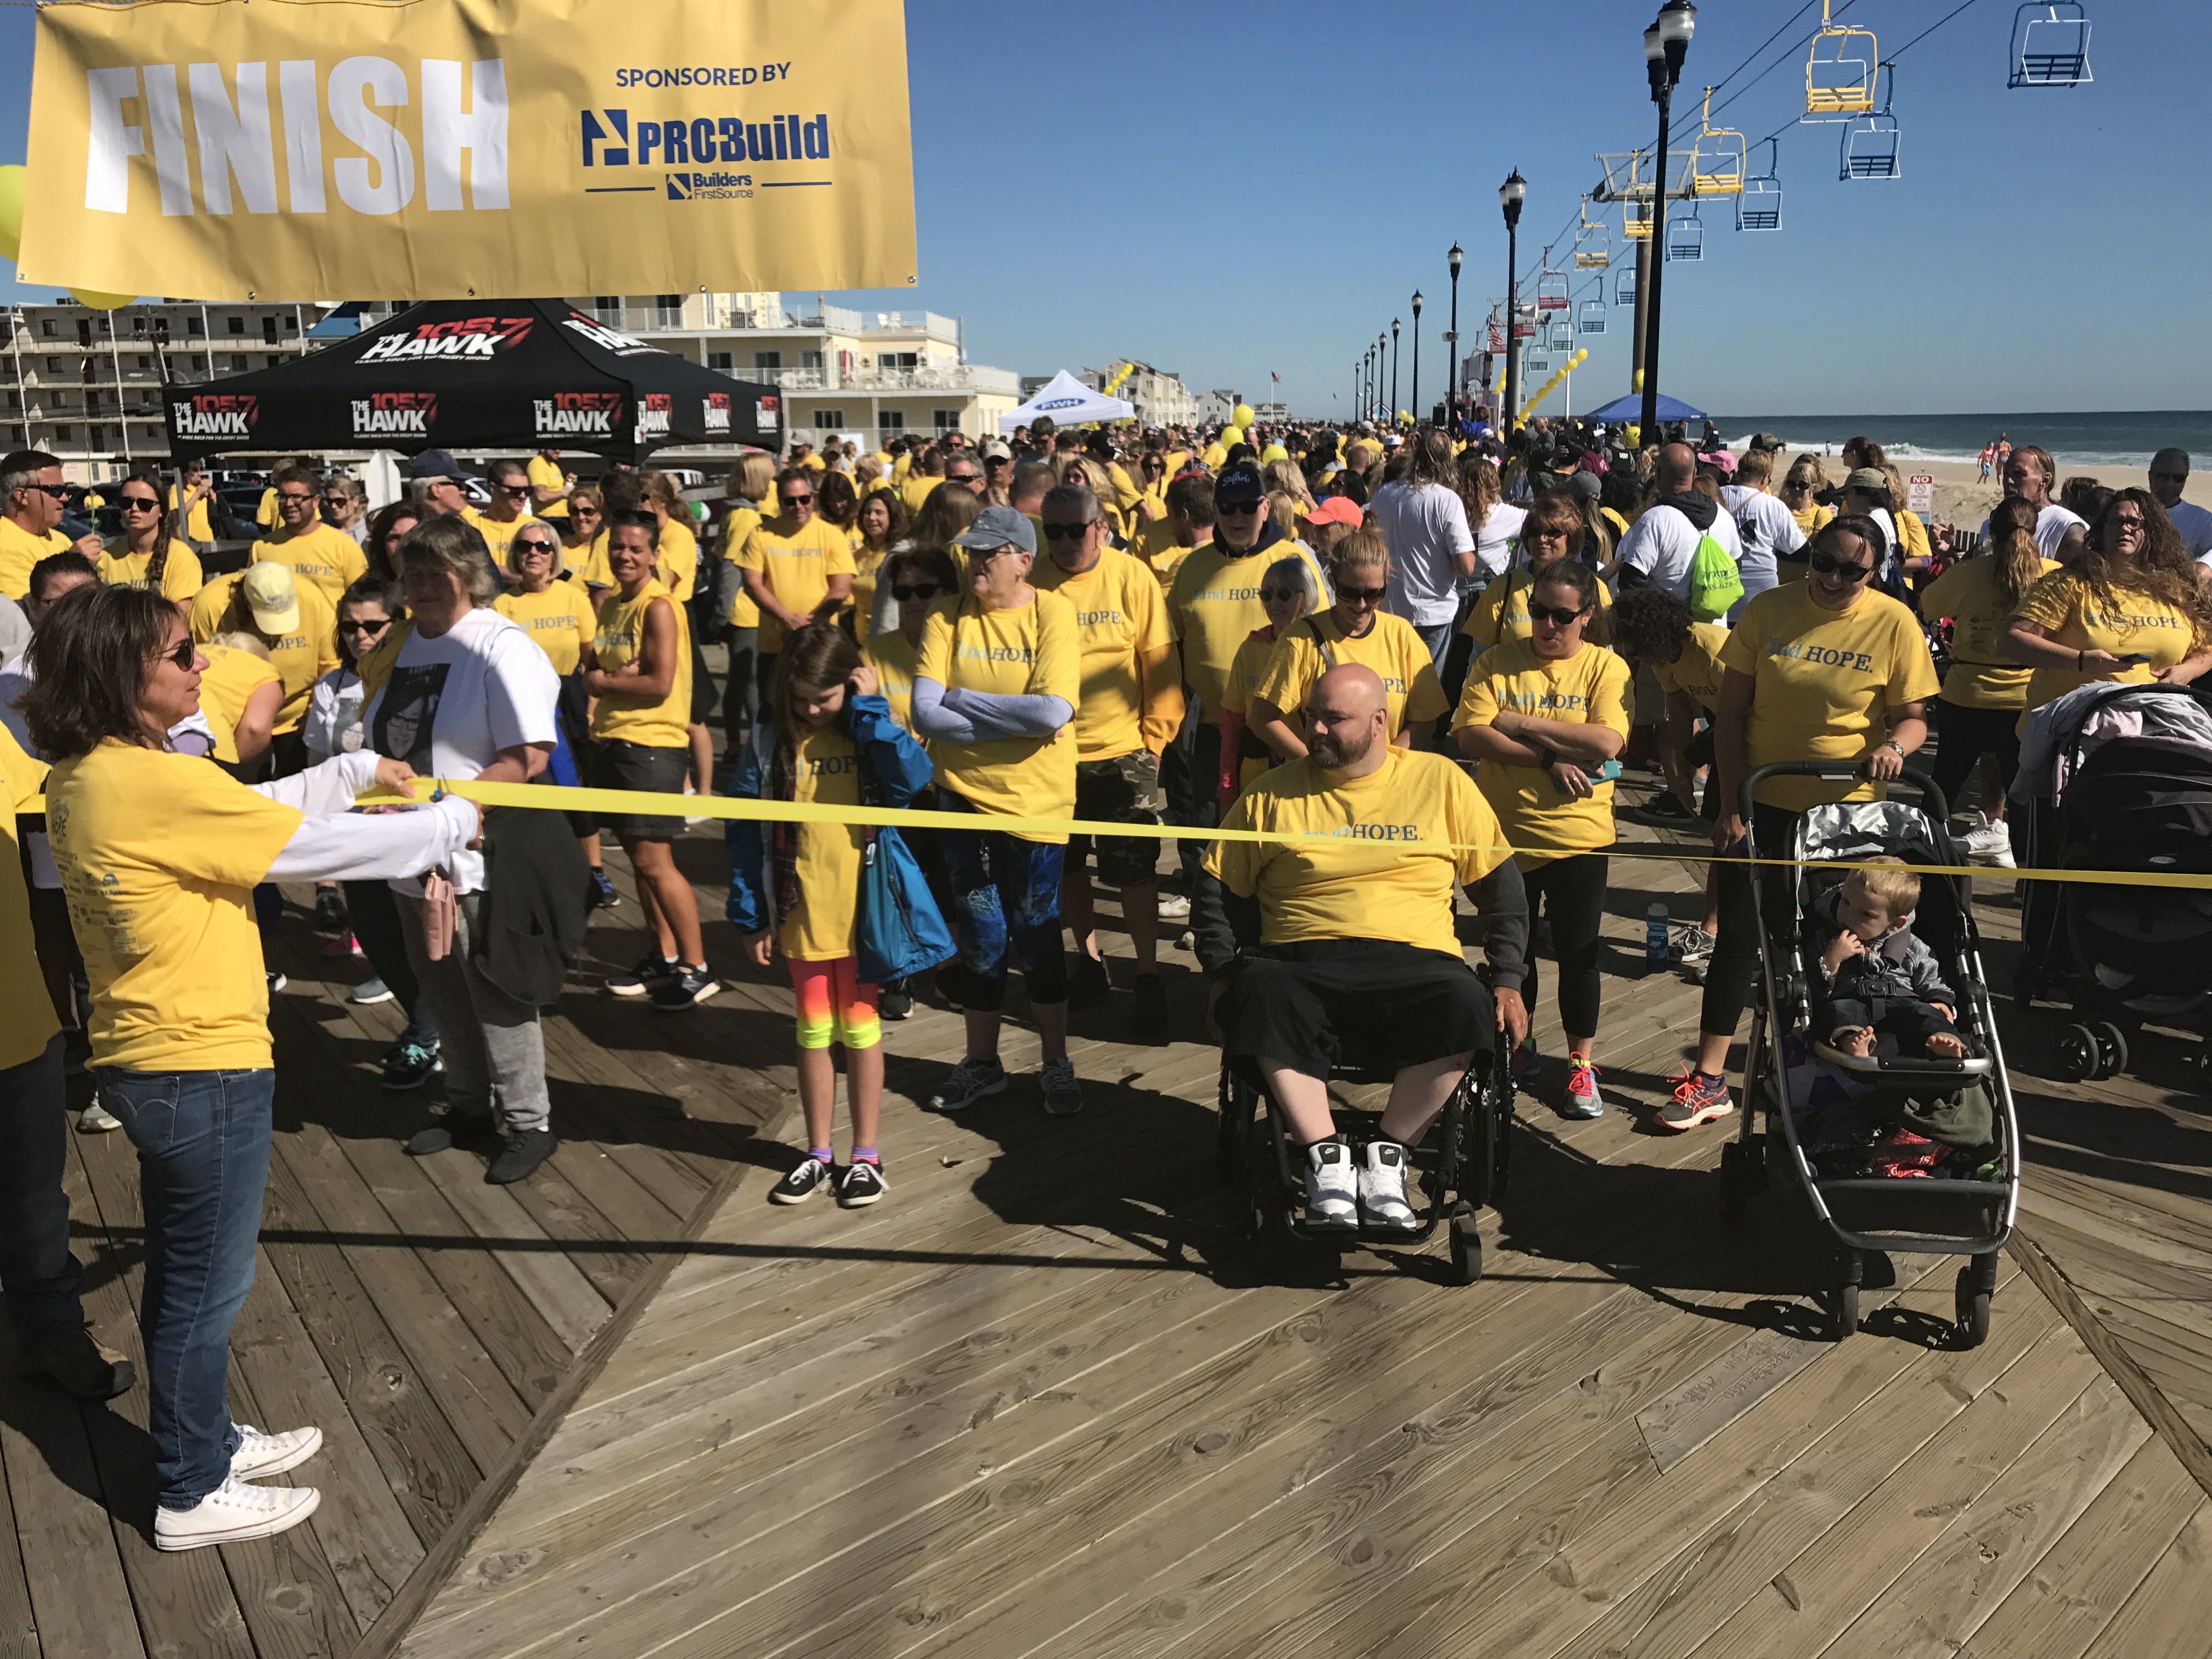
(1962, 499)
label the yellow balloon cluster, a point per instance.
(1557, 375)
(1242, 415)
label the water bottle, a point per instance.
(1655, 924)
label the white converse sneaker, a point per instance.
(260, 1456)
(232, 1513)
(1989, 842)
(1382, 1187)
(1331, 1193)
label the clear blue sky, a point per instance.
(1228, 193)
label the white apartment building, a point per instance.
(1216, 406)
(1159, 395)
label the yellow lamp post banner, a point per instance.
(423, 149)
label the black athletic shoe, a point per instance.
(408, 1065)
(1663, 811)
(802, 1184)
(451, 1129)
(860, 1185)
(896, 1002)
(525, 1151)
(687, 988)
(649, 976)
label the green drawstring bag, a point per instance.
(1715, 582)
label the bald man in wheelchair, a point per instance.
(1348, 942)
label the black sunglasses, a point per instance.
(296, 497)
(1056, 532)
(913, 590)
(1558, 615)
(794, 501)
(1239, 509)
(60, 492)
(181, 654)
(363, 625)
(1362, 595)
(1829, 565)
(2171, 477)
(141, 503)
(533, 545)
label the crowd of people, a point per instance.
(1421, 658)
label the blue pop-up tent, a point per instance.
(1631, 408)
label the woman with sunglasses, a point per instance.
(181, 1042)
(1552, 528)
(146, 555)
(585, 519)
(1355, 629)
(1288, 594)
(1828, 669)
(797, 568)
(1546, 714)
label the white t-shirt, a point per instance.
(1663, 545)
(1493, 543)
(331, 725)
(2194, 525)
(1766, 529)
(2051, 527)
(1424, 526)
(454, 702)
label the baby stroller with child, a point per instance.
(1891, 1151)
(2117, 778)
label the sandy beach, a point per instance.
(1962, 499)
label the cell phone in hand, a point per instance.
(2135, 660)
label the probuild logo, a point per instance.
(463, 340)
(577, 414)
(395, 415)
(214, 414)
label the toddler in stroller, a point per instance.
(1875, 979)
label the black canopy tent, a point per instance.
(512, 374)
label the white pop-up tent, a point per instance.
(1069, 403)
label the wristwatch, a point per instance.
(1544, 757)
(1894, 743)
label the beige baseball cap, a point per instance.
(272, 596)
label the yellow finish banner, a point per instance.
(423, 149)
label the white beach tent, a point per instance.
(1070, 403)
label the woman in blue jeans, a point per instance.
(160, 854)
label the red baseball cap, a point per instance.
(1338, 509)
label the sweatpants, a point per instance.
(493, 1046)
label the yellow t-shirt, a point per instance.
(161, 903)
(736, 528)
(1592, 688)
(560, 619)
(894, 661)
(1823, 680)
(915, 489)
(1698, 670)
(620, 639)
(795, 565)
(301, 657)
(867, 564)
(1246, 670)
(1809, 520)
(267, 515)
(30, 1024)
(1214, 606)
(676, 561)
(1122, 620)
(1980, 676)
(826, 769)
(1154, 543)
(548, 475)
(1389, 852)
(197, 525)
(180, 576)
(1314, 644)
(327, 560)
(19, 550)
(231, 678)
(497, 533)
(2135, 625)
(1501, 613)
(1213, 456)
(1034, 649)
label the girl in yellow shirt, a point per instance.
(879, 523)
(555, 609)
(1353, 629)
(1546, 716)
(148, 540)
(1288, 593)
(827, 731)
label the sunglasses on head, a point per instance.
(181, 654)
(1829, 565)
(1362, 595)
(1067, 532)
(913, 590)
(1559, 616)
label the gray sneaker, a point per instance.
(1063, 1095)
(967, 1083)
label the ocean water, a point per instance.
(2113, 439)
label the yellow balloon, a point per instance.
(1242, 416)
(96, 300)
(11, 209)
(1231, 436)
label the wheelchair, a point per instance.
(1461, 1164)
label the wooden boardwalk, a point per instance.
(1043, 1400)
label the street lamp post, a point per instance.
(1451, 357)
(1666, 43)
(1382, 361)
(1511, 195)
(1367, 387)
(1394, 371)
(1417, 356)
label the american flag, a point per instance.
(1276, 378)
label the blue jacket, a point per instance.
(894, 769)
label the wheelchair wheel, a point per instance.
(1234, 1132)
(1466, 1248)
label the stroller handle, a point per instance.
(1931, 799)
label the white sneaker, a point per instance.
(232, 1513)
(1174, 906)
(1988, 843)
(1332, 1193)
(1382, 1187)
(260, 1456)
(96, 1120)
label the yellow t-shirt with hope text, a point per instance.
(1501, 612)
(299, 658)
(795, 564)
(2131, 624)
(1313, 645)
(180, 576)
(1122, 619)
(1969, 593)
(1590, 688)
(1385, 856)
(1823, 679)
(1214, 603)
(561, 620)
(619, 639)
(327, 560)
(1034, 649)
(161, 903)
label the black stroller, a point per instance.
(2121, 780)
(1962, 1205)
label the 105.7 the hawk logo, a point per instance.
(576, 414)
(395, 415)
(462, 340)
(215, 415)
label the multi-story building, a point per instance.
(1215, 407)
(1159, 395)
(86, 386)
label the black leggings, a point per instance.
(1964, 735)
(1735, 951)
(1571, 891)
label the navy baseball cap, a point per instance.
(434, 464)
(1240, 480)
(1000, 527)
